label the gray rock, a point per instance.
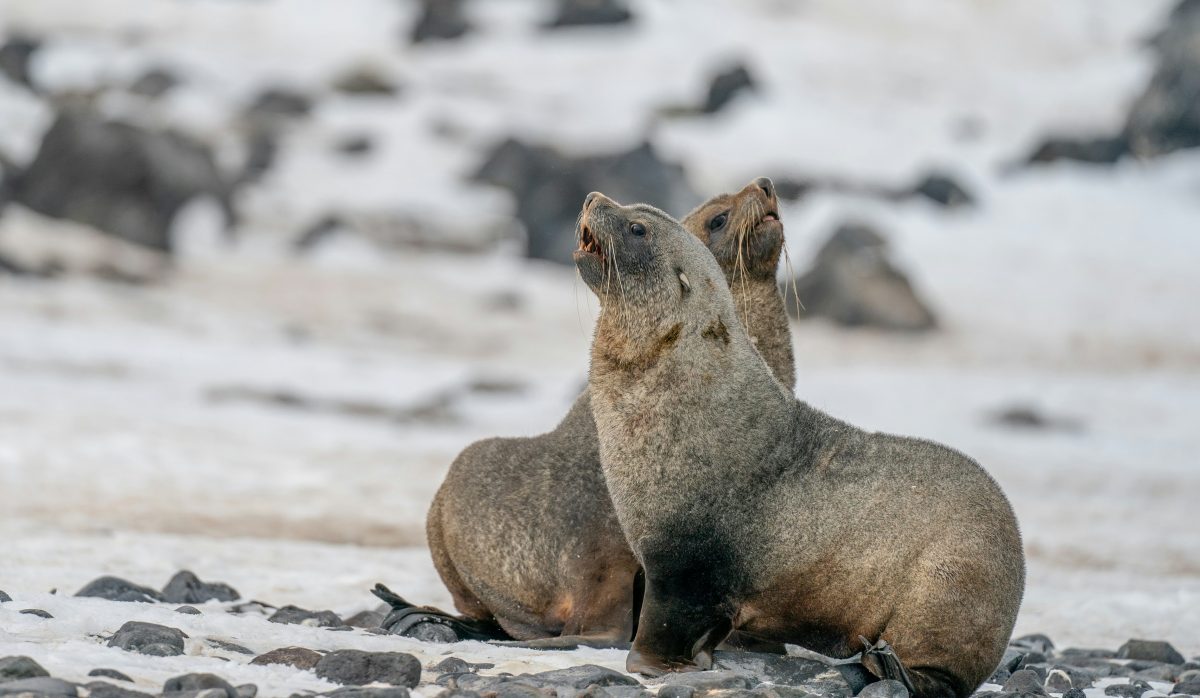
(709, 680)
(772, 668)
(580, 677)
(299, 657)
(1057, 681)
(15, 55)
(103, 689)
(944, 190)
(364, 82)
(198, 693)
(1100, 150)
(148, 638)
(188, 610)
(117, 589)
(1152, 650)
(1166, 117)
(1074, 693)
(299, 616)
(276, 103)
(439, 20)
(769, 691)
(44, 686)
(154, 83)
(677, 691)
(122, 179)
(576, 13)
(727, 85)
(884, 689)
(1025, 682)
(4, 597)
(247, 690)
(1079, 677)
(110, 674)
(20, 667)
(854, 283)
(374, 692)
(199, 682)
(454, 665)
(438, 633)
(186, 587)
(519, 689)
(1133, 689)
(228, 646)
(1165, 673)
(1189, 686)
(1072, 653)
(357, 668)
(36, 612)
(613, 692)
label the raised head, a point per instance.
(742, 230)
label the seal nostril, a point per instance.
(766, 185)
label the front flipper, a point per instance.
(882, 661)
(431, 624)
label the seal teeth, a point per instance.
(589, 243)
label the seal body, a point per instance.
(522, 530)
(751, 511)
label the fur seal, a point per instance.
(750, 510)
(522, 531)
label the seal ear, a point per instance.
(684, 283)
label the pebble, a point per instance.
(186, 587)
(299, 657)
(103, 689)
(356, 667)
(709, 680)
(42, 686)
(117, 589)
(149, 638)
(365, 619)
(36, 612)
(1074, 693)
(1058, 681)
(299, 616)
(247, 690)
(356, 692)
(1190, 686)
(1025, 682)
(188, 610)
(580, 677)
(199, 682)
(884, 689)
(614, 692)
(4, 597)
(1127, 690)
(778, 669)
(1152, 650)
(20, 667)
(228, 646)
(110, 674)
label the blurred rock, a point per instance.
(4, 597)
(279, 103)
(727, 85)
(228, 646)
(576, 13)
(121, 179)
(36, 612)
(110, 674)
(1028, 417)
(1152, 650)
(355, 145)
(117, 589)
(1134, 689)
(103, 689)
(1036, 642)
(14, 58)
(149, 638)
(944, 190)
(1025, 683)
(294, 615)
(299, 657)
(369, 692)
(188, 610)
(1166, 117)
(186, 587)
(366, 619)
(357, 668)
(154, 83)
(40, 687)
(198, 682)
(20, 667)
(582, 676)
(1101, 150)
(884, 689)
(550, 187)
(364, 81)
(854, 283)
(439, 20)
(779, 669)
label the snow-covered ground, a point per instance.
(148, 429)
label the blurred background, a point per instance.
(267, 266)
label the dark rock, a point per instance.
(1079, 677)
(124, 180)
(1029, 660)
(279, 103)
(580, 677)
(188, 610)
(946, 191)
(299, 657)
(1086, 653)
(393, 692)
(117, 589)
(20, 667)
(439, 20)
(770, 691)
(36, 612)
(367, 619)
(41, 686)
(262, 146)
(454, 665)
(1024, 682)
(725, 86)
(199, 682)
(186, 587)
(549, 188)
(854, 283)
(1074, 693)
(359, 144)
(1133, 689)
(1166, 117)
(356, 667)
(1008, 664)
(1189, 687)
(148, 638)
(518, 689)
(103, 689)
(227, 646)
(777, 669)
(14, 58)
(709, 680)
(4, 597)
(247, 690)
(614, 692)
(1152, 650)
(884, 689)
(1057, 681)
(576, 13)
(1031, 418)
(364, 82)
(257, 607)
(1166, 673)
(1101, 150)
(154, 83)
(110, 674)
(676, 691)
(298, 616)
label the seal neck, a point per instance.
(760, 307)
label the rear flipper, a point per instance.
(881, 660)
(432, 625)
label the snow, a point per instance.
(1069, 288)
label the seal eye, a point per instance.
(637, 229)
(718, 221)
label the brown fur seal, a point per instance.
(522, 531)
(752, 511)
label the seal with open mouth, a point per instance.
(751, 511)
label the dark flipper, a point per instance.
(881, 660)
(405, 618)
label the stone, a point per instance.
(709, 680)
(944, 190)
(4, 597)
(1166, 116)
(1152, 650)
(677, 691)
(20, 667)
(727, 85)
(154, 83)
(148, 638)
(1024, 682)
(577, 13)
(1086, 653)
(884, 689)
(777, 669)
(613, 692)
(355, 145)
(188, 610)
(1100, 150)
(854, 283)
(770, 691)
(15, 55)
(36, 612)
(1074, 693)
(110, 674)
(103, 689)
(580, 677)
(373, 692)
(440, 20)
(276, 103)
(364, 81)
(454, 665)
(199, 682)
(186, 587)
(1190, 686)
(299, 657)
(247, 690)
(117, 589)
(1126, 690)
(228, 646)
(299, 616)
(1057, 681)
(357, 667)
(41, 686)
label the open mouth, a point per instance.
(770, 216)
(589, 243)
